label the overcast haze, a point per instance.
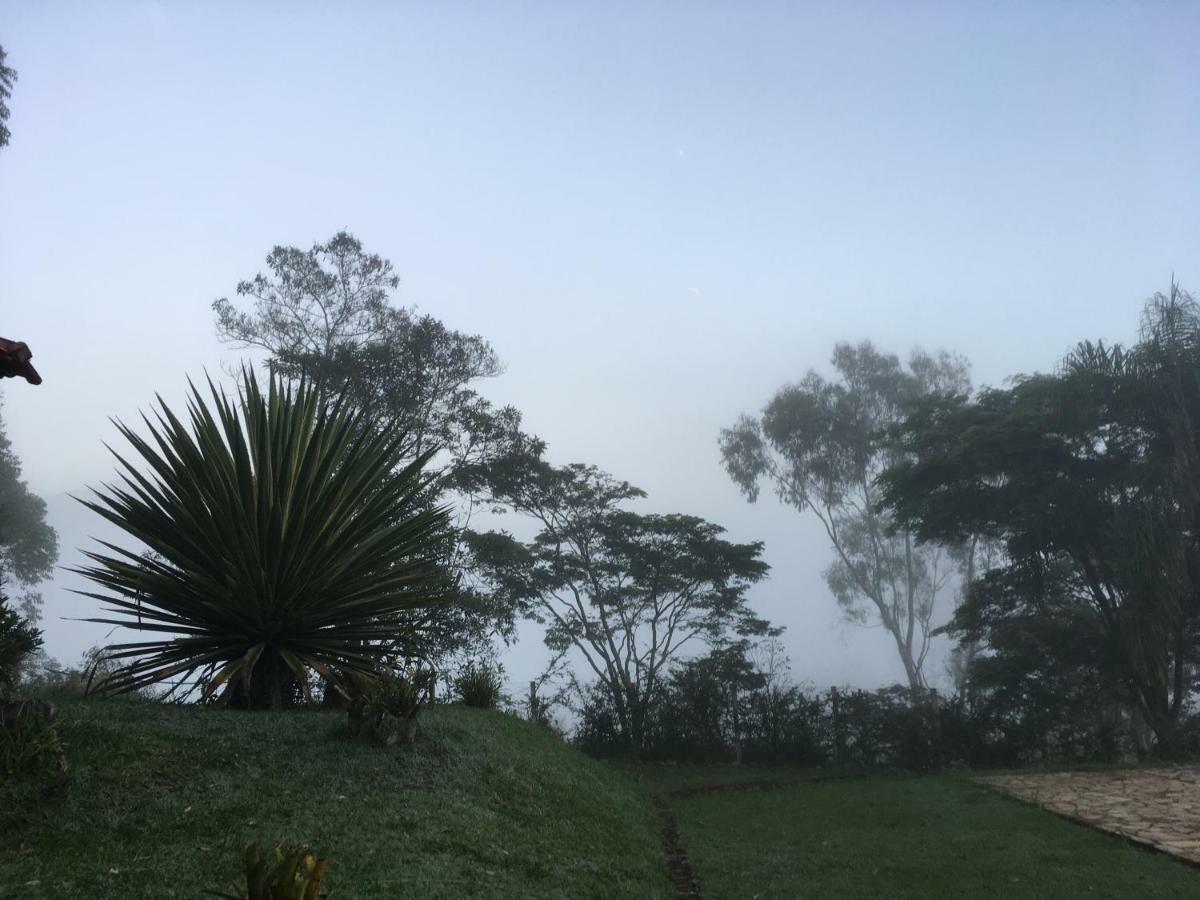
(656, 213)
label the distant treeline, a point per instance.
(702, 718)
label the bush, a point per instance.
(702, 714)
(387, 706)
(32, 764)
(480, 685)
(598, 732)
(18, 639)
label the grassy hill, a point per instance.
(164, 799)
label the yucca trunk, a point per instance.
(273, 685)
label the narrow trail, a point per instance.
(679, 870)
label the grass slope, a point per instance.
(933, 837)
(164, 799)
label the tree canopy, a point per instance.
(8, 77)
(1091, 479)
(326, 314)
(28, 545)
(627, 591)
(821, 444)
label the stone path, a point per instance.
(1156, 807)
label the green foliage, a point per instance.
(32, 764)
(480, 685)
(278, 541)
(627, 591)
(821, 444)
(721, 708)
(401, 695)
(386, 707)
(325, 314)
(8, 77)
(28, 546)
(18, 639)
(483, 805)
(1088, 479)
(288, 874)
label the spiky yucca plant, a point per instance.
(285, 535)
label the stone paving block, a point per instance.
(1156, 807)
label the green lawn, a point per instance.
(164, 799)
(681, 776)
(933, 837)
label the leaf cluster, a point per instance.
(282, 535)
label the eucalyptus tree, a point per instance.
(628, 592)
(821, 444)
(1090, 477)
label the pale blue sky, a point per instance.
(657, 213)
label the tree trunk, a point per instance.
(273, 685)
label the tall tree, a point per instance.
(326, 314)
(28, 545)
(8, 77)
(313, 303)
(627, 591)
(1093, 473)
(821, 444)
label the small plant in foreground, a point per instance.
(480, 685)
(287, 874)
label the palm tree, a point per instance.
(283, 535)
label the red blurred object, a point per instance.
(14, 361)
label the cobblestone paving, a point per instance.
(1156, 807)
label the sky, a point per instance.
(657, 213)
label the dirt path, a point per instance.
(679, 870)
(687, 887)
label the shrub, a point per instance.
(18, 639)
(386, 707)
(598, 732)
(286, 535)
(480, 685)
(32, 764)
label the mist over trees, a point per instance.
(821, 445)
(1047, 528)
(363, 632)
